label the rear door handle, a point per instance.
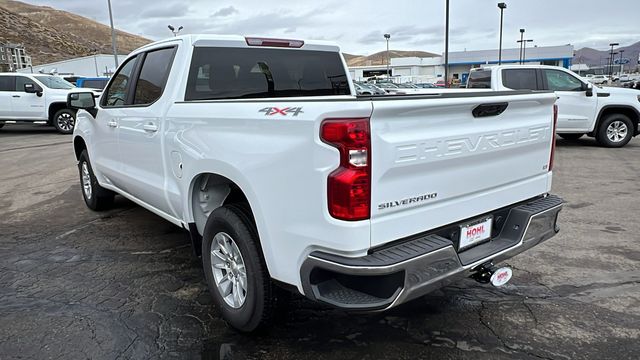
(150, 127)
(112, 124)
(16, 96)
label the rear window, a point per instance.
(95, 84)
(228, 73)
(479, 79)
(520, 79)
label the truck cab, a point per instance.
(30, 98)
(609, 114)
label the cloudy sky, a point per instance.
(358, 26)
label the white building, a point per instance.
(431, 69)
(89, 66)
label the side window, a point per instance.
(561, 81)
(153, 76)
(20, 81)
(118, 90)
(7, 83)
(520, 79)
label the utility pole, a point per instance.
(611, 58)
(620, 62)
(501, 6)
(113, 37)
(524, 48)
(446, 45)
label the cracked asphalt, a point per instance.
(76, 284)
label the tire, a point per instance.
(571, 137)
(1, 125)
(615, 131)
(64, 121)
(253, 307)
(95, 196)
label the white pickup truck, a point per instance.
(285, 178)
(609, 114)
(33, 98)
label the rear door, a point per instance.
(434, 163)
(7, 85)
(140, 130)
(576, 110)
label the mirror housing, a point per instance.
(32, 88)
(588, 88)
(82, 101)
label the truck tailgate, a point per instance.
(435, 163)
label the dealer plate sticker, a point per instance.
(475, 232)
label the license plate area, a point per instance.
(475, 232)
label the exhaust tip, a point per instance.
(501, 276)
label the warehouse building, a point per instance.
(89, 66)
(420, 70)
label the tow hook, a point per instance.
(488, 272)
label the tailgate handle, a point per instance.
(493, 109)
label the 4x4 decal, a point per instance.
(268, 111)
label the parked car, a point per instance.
(440, 83)
(609, 114)
(426, 86)
(599, 79)
(97, 83)
(30, 98)
(368, 89)
(391, 88)
(259, 148)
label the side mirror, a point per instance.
(81, 100)
(31, 88)
(588, 89)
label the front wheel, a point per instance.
(95, 196)
(615, 130)
(64, 121)
(235, 270)
(570, 136)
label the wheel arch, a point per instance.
(626, 110)
(78, 145)
(54, 107)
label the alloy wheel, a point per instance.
(229, 271)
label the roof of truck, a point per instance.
(204, 40)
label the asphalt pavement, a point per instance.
(123, 284)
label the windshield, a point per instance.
(388, 85)
(54, 82)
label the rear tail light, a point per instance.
(349, 186)
(553, 136)
(251, 41)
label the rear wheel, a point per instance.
(570, 136)
(615, 131)
(95, 196)
(64, 121)
(235, 270)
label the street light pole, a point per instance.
(611, 58)
(521, 37)
(113, 37)
(501, 6)
(446, 45)
(387, 37)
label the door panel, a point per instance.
(7, 84)
(141, 129)
(25, 105)
(106, 155)
(576, 110)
